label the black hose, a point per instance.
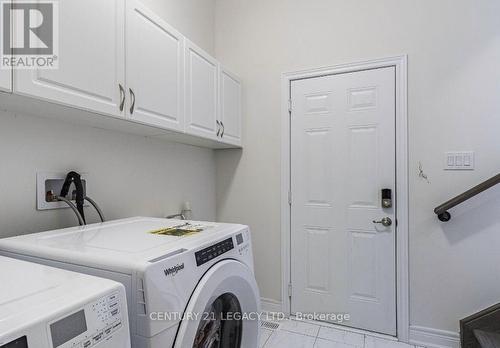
(74, 178)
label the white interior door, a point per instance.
(91, 58)
(342, 156)
(154, 66)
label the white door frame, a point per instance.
(402, 236)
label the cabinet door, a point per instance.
(6, 73)
(201, 93)
(230, 107)
(5, 80)
(154, 69)
(91, 59)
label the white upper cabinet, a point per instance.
(91, 59)
(230, 107)
(5, 80)
(154, 69)
(118, 58)
(5, 75)
(201, 93)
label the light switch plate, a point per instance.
(459, 160)
(46, 181)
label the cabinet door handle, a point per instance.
(122, 97)
(218, 127)
(132, 96)
(223, 129)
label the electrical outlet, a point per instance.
(459, 160)
(47, 181)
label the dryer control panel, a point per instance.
(90, 325)
(213, 251)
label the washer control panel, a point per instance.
(204, 255)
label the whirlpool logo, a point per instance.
(174, 270)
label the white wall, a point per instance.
(129, 175)
(193, 18)
(454, 89)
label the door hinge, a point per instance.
(290, 290)
(290, 106)
(289, 197)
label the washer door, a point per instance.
(223, 310)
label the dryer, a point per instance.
(45, 307)
(184, 290)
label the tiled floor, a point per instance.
(300, 334)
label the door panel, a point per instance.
(318, 240)
(343, 155)
(317, 141)
(363, 159)
(230, 107)
(91, 58)
(363, 260)
(154, 66)
(201, 93)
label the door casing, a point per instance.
(402, 237)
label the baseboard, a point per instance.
(433, 338)
(270, 306)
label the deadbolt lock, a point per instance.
(386, 198)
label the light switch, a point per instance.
(451, 160)
(467, 161)
(459, 160)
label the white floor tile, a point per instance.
(321, 343)
(374, 342)
(299, 334)
(287, 339)
(351, 338)
(300, 327)
(264, 336)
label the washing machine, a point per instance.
(189, 284)
(45, 307)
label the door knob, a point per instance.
(385, 221)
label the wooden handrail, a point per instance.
(442, 210)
